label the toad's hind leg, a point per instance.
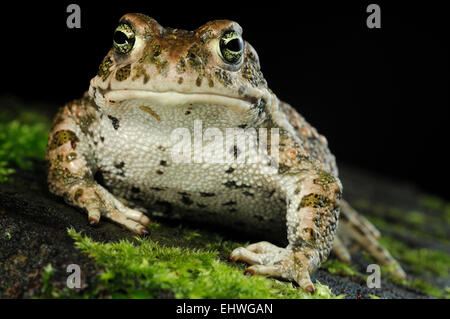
(340, 250)
(359, 229)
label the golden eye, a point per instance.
(124, 38)
(231, 47)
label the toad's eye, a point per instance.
(231, 47)
(124, 38)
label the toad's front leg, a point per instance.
(71, 169)
(312, 197)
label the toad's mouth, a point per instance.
(173, 98)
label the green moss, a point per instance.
(426, 287)
(4, 171)
(431, 202)
(421, 264)
(430, 222)
(20, 142)
(145, 269)
(338, 267)
(414, 223)
(47, 289)
(415, 218)
(447, 213)
(420, 260)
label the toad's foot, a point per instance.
(97, 201)
(354, 227)
(286, 263)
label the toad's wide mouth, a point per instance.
(173, 98)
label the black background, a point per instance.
(380, 96)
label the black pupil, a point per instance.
(234, 45)
(120, 37)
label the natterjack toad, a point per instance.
(114, 152)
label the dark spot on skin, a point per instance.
(197, 57)
(224, 77)
(314, 200)
(159, 172)
(282, 168)
(229, 170)
(206, 37)
(161, 148)
(232, 184)
(123, 73)
(115, 122)
(297, 191)
(87, 175)
(71, 156)
(78, 194)
(309, 233)
(187, 112)
(186, 200)
(119, 165)
(211, 83)
(102, 139)
(247, 194)
(207, 194)
(155, 57)
(157, 189)
(103, 70)
(180, 80)
(324, 179)
(271, 194)
(230, 203)
(261, 106)
(198, 82)
(151, 112)
(241, 90)
(64, 175)
(316, 221)
(235, 151)
(242, 126)
(141, 71)
(135, 189)
(163, 163)
(99, 177)
(62, 137)
(181, 66)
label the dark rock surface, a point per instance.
(33, 233)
